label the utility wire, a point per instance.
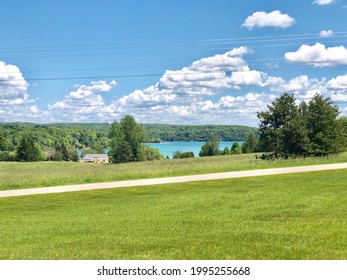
(213, 42)
(151, 74)
(231, 45)
(240, 40)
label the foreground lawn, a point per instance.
(16, 175)
(294, 216)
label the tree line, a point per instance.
(186, 133)
(60, 141)
(286, 129)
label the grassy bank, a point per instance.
(15, 175)
(294, 216)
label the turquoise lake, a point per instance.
(168, 148)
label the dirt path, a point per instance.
(180, 179)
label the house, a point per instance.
(95, 158)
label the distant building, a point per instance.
(95, 158)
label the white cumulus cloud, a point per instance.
(338, 83)
(15, 102)
(13, 87)
(273, 19)
(318, 55)
(83, 104)
(338, 88)
(326, 33)
(323, 2)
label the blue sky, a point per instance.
(180, 62)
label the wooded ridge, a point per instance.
(96, 135)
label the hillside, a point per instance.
(96, 134)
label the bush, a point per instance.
(7, 156)
(179, 154)
(226, 151)
(149, 153)
(236, 149)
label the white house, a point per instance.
(95, 158)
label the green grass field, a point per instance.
(15, 175)
(294, 216)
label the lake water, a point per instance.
(168, 148)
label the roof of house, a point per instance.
(93, 156)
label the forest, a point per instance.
(95, 136)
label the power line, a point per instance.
(213, 42)
(269, 37)
(154, 51)
(240, 40)
(153, 74)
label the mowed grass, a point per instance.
(293, 216)
(16, 175)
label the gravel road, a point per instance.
(167, 180)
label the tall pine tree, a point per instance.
(28, 149)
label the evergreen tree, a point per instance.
(275, 132)
(28, 149)
(65, 152)
(309, 129)
(324, 131)
(73, 155)
(133, 134)
(343, 125)
(121, 151)
(250, 145)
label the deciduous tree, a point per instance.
(210, 148)
(126, 138)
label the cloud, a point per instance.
(338, 83)
(179, 95)
(82, 104)
(323, 2)
(15, 102)
(186, 95)
(337, 88)
(34, 109)
(227, 109)
(326, 33)
(13, 87)
(246, 78)
(302, 87)
(273, 19)
(204, 77)
(318, 55)
(214, 89)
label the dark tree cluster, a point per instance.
(126, 138)
(180, 154)
(308, 129)
(28, 149)
(211, 147)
